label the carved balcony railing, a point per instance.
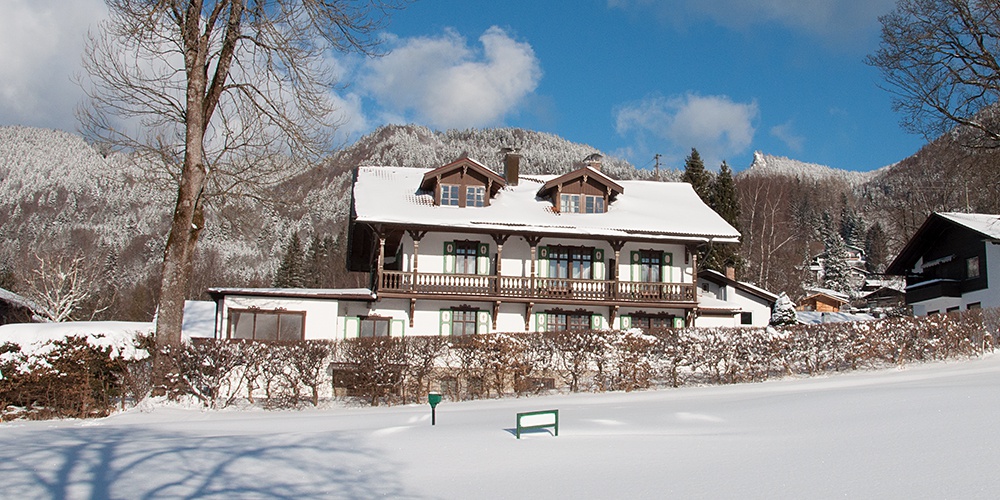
(535, 288)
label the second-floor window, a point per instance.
(972, 267)
(650, 266)
(449, 195)
(571, 262)
(465, 257)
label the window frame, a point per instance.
(593, 204)
(463, 256)
(297, 318)
(450, 193)
(576, 262)
(465, 318)
(475, 196)
(650, 263)
(972, 268)
(374, 321)
(561, 321)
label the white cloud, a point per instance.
(717, 126)
(40, 48)
(447, 84)
(787, 135)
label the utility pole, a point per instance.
(656, 158)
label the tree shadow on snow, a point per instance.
(141, 462)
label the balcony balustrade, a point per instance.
(501, 287)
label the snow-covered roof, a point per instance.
(987, 224)
(812, 291)
(816, 317)
(13, 298)
(305, 293)
(653, 210)
(716, 276)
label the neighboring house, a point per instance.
(753, 304)
(17, 309)
(822, 300)
(460, 250)
(817, 317)
(951, 263)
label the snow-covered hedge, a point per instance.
(76, 377)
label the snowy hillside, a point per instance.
(764, 164)
(914, 432)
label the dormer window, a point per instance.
(449, 195)
(475, 196)
(594, 205)
(576, 203)
(582, 191)
(462, 183)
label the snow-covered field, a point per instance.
(925, 431)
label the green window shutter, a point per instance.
(352, 327)
(449, 257)
(543, 262)
(397, 328)
(598, 264)
(667, 267)
(540, 322)
(634, 261)
(482, 322)
(483, 259)
(444, 327)
(678, 322)
(596, 322)
(626, 322)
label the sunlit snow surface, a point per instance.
(924, 431)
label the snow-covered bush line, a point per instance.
(71, 377)
(403, 370)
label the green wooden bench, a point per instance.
(535, 420)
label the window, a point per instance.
(972, 267)
(569, 203)
(974, 305)
(475, 196)
(560, 321)
(571, 262)
(746, 318)
(449, 195)
(463, 322)
(650, 264)
(465, 257)
(375, 326)
(594, 205)
(647, 322)
(266, 325)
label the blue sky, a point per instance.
(632, 78)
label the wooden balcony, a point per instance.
(525, 288)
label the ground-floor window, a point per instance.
(974, 305)
(463, 322)
(559, 321)
(746, 318)
(375, 326)
(649, 322)
(254, 324)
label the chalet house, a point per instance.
(753, 304)
(460, 249)
(17, 309)
(822, 300)
(952, 263)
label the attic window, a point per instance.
(475, 196)
(449, 195)
(573, 204)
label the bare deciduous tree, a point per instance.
(222, 94)
(62, 284)
(939, 58)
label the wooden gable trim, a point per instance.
(612, 188)
(494, 181)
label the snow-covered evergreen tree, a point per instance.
(291, 271)
(836, 271)
(696, 175)
(784, 312)
(725, 202)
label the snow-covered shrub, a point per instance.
(784, 312)
(71, 377)
(379, 364)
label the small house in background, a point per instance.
(822, 300)
(749, 305)
(17, 309)
(952, 263)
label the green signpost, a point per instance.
(433, 398)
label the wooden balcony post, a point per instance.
(381, 257)
(499, 239)
(616, 245)
(416, 236)
(694, 282)
(533, 245)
